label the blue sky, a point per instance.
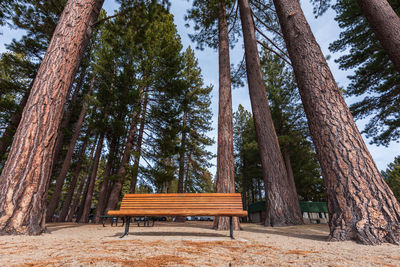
(325, 30)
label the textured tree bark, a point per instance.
(26, 174)
(84, 181)
(101, 203)
(288, 165)
(117, 187)
(361, 205)
(386, 25)
(132, 189)
(92, 180)
(71, 189)
(6, 138)
(67, 160)
(225, 161)
(282, 202)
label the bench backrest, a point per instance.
(187, 201)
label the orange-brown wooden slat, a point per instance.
(182, 212)
(184, 195)
(188, 204)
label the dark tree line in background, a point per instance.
(115, 106)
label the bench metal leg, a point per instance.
(104, 222)
(127, 221)
(231, 226)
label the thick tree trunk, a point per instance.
(92, 180)
(75, 203)
(135, 174)
(289, 170)
(71, 189)
(225, 161)
(386, 25)
(282, 203)
(7, 137)
(361, 205)
(104, 185)
(117, 187)
(26, 174)
(67, 160)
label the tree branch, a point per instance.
(272, 42)
(109, 17)
(273, 51)
(265, 25)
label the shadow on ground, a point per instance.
(54, 227)
(320, 235)
(160, 234)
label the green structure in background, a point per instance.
(314, 212)
(314, 207)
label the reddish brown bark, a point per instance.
(26, 174)
(225, 161)
(72, 185)
(282, 202)
(386, 25)
(67, 160)
(88, 199)
(361, 205)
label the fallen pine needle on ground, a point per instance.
(189, 244)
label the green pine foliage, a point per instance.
(392, 176)
(291, 126)
(204, 15)
(375, 81)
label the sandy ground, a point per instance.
(189, 244)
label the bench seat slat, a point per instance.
(188, 204)
(178, 212)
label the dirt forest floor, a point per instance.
(189, 244)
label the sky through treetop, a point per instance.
(325, 29)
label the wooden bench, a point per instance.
(191, 204)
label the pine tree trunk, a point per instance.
(7, 137)
(71, 189)
(181, 174)
(289, 170)
(225, 161)
(361, 206)
(386, 25)
(26, 174)
(92, 180)
(283, 206)
(67, 160)
(65, 123)
(244, 195)
(84, 181)
(117, 187)
(132, 189)
(104, 185)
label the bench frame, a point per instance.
(235, 212)
(128, 220)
